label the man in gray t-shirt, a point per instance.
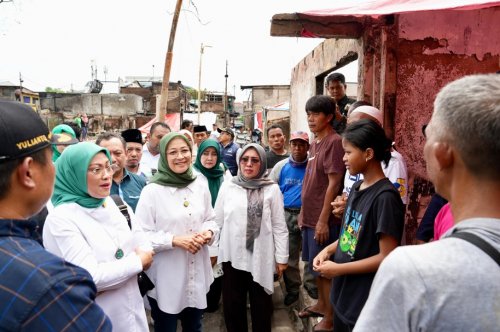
(450, 284)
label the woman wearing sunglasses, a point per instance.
(253, 242)
(87, 229)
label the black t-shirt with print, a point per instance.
(369, 212)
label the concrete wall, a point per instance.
(269, 97)
(402, 66)
(95, 104)
(434, 49)
(8, 92)
(106, 112)
(331, 54)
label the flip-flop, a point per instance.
(306, 313)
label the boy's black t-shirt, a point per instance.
(369, 212)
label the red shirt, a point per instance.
(325, 158)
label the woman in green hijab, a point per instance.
(86, 228)
(175, 210)
(66, 132)
(208, 164)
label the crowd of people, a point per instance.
(92, 234)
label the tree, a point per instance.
(54, 90)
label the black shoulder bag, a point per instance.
(480, 243)
(145, 284)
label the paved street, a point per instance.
(214, 322)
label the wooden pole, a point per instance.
(160, 113)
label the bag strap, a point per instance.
(480, 243)
(123, 208)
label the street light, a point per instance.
(202, 48)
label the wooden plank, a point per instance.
(292, 25)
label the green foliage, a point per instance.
(192, 93)
(54, 90)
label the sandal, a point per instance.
(307, 312)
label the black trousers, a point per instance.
(213, 295)
(340, 326)
(163, 322)
(235, 286)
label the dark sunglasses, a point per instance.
(252, 160)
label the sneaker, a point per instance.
(291, 298)
(313, 293)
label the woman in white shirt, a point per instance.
(176, 212)
(209, 167)
(86, 228)
(253, 243)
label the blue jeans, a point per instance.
(190, 319)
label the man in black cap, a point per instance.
(229, 150)
(39, 291)
(125, 184)
(200, 134)
(133, 150)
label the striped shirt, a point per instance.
(40, 291)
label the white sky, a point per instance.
(52, 42)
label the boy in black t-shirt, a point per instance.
(372, 225)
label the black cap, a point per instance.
(22, 131)
(132, 136)
(63, 139)
(229, 131)
(200, 129)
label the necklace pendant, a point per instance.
(186, 204)
(119, 254)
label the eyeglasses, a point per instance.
(245, 160)
(99, 171)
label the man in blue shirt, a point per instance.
(229, 149)
(289, 174)
(126, 184)
(38, 290)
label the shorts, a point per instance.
(311, 248)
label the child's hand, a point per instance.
(339, 206)
(320, 259)
(328, 269)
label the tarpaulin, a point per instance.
(173, 121)
(376, 8)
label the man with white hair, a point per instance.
(451, 284)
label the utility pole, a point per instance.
(160, 115)
(202, 50)
(225, 98)
(21, 88)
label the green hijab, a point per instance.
(215, 175)
(62, 128)
(165, 176)
(71, 175)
